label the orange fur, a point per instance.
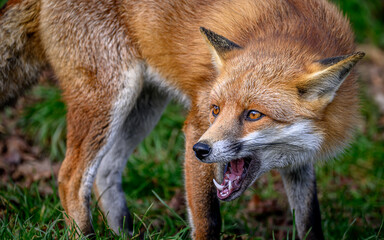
(91, 44)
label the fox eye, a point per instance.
(215, 110)
(254, 115)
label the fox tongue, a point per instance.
(232, 179)
(236, 170)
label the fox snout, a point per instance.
(202, 150)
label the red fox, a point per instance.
(268, 84)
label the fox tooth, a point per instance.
(230, 185)
(218, 186)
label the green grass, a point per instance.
(2, 2)
(26, 214)
(367, 19)
(45, 121)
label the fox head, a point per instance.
(272, 109)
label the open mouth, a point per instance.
(234, 174)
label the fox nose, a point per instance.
(202, 150)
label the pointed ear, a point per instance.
(330, 73)
(219, 45)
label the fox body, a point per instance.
(268, 83)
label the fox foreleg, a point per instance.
(300, 186)
(203, 205)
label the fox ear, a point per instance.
(219, 46)
(330, 73)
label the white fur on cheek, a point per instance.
(285, 145)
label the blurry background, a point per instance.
(351, 187)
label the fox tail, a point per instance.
(21, 54)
